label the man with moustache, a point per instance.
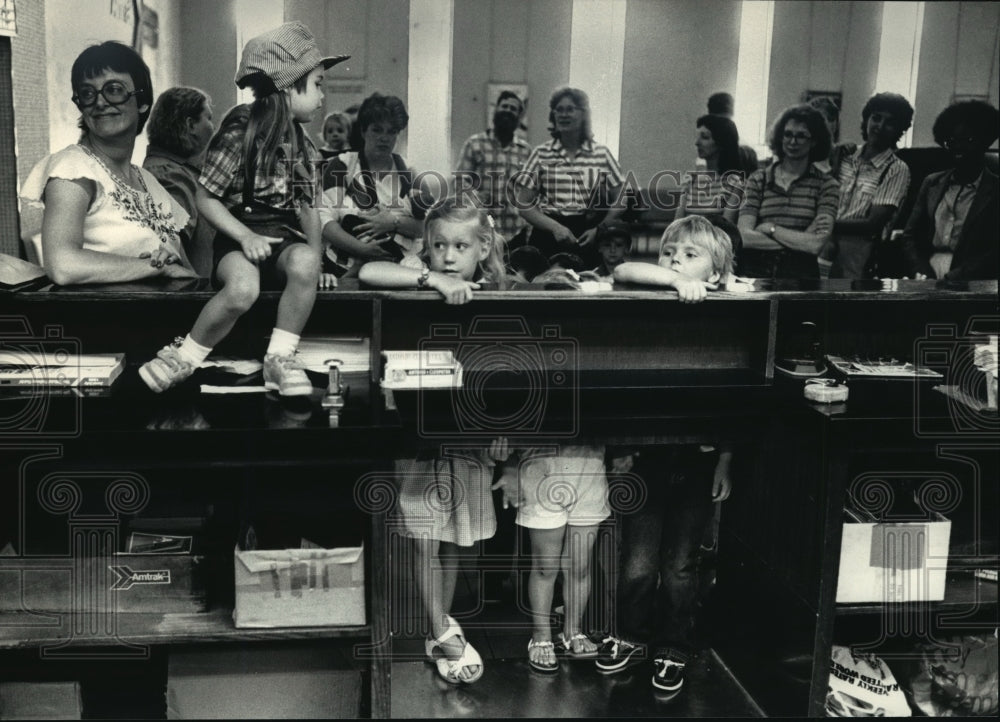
(489, 159)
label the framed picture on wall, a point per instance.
(493, 91)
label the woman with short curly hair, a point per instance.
(953, 229)
(873, 185)
(372, 211)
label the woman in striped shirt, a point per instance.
(569, 183)
(790, 206)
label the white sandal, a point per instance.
(566, 645)
(547, 667)
(449, 669)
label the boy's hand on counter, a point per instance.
(691, 290)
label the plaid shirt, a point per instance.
(494, 165)
(567, 185)
(222, 172)
(881, 181)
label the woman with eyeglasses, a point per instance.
(179, 129)
(570, 184)
(371, 211)
(790, 206)
(105, 219)
(953, 229)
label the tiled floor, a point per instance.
(510, 688)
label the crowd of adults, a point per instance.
(816, 208)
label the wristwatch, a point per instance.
(425, 274)
(770, 231)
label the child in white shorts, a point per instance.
(560, 488)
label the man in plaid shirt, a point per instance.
(489, 159)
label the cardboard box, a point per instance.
(300, 587)
(893, 561)
(40, 700)
(260, 683)
(125, 583)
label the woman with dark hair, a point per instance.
(371, 209)
(790, 206)
(107, 220)
(953, 229)
(873, 185)
(718, 190)
(569, 182)
(179, 129)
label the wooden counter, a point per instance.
(632, 367)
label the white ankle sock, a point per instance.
(283, 343)
(193, 352)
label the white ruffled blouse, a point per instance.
(121, 219)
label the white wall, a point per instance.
(72, 25)
(429, 85)
(673, 54)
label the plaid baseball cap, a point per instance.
(284, 55)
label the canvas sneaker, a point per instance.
(668, 674)
(617, 654)
(166, 370)
(285, 375)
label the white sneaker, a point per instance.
(285, 375)
(167, 369)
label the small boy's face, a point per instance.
(690, 259)
(306, 103)
(613, 251)
(334, 134)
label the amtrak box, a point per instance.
(312, 587)
(122, 583)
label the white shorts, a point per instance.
(569, 487)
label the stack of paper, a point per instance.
(43, 367)
(421, 370)
(352, 352)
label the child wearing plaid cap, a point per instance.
(257, 189)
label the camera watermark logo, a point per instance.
(39, 396)
(966, 358)
(514, 383)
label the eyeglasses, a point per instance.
(800, 137)
(566, 110)
(114, 92)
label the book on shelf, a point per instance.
(424, 369)
(59, 369)
(353, 352)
